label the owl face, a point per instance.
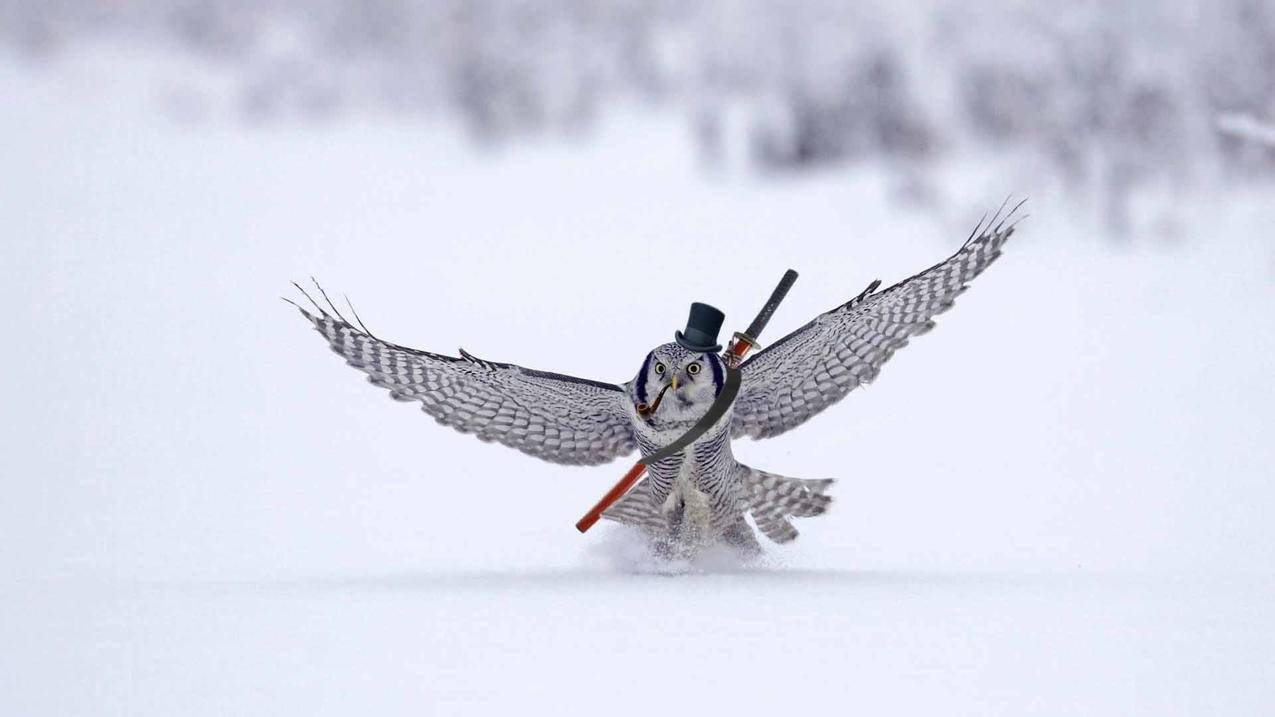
(689, 382)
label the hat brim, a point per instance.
(689, 346)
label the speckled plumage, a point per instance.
(701, 495)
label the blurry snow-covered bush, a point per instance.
(1113, 96)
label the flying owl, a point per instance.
(701, 495)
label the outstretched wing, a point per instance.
(560, 419)
(818, 364)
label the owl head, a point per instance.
(676, 384)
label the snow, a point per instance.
(532, 640)
(1057, 502)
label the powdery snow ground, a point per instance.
(1057, 502)
(533, 640)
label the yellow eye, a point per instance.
(693, 369)
(659, 367)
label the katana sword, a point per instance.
(732, 357)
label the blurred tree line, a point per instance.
(1113, 96)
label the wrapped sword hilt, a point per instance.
(745, 341)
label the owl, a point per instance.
(700, 496)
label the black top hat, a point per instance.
(701, 329)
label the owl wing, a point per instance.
(818, 364)
(560, 419)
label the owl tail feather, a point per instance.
(773, 499)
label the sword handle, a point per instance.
(776, 296)
(744, 342)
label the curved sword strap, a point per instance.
(721, 404)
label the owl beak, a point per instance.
(675, 383)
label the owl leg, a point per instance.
(670, 541)
(662, 528)
(740, 536)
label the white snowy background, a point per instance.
(1058, 502)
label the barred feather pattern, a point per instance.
(817, 365)
(639, 509)
(704, 474)
(557, 418)
(707, 465)
(773, 499)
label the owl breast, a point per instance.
(701, 484)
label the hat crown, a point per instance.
(702, 327)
